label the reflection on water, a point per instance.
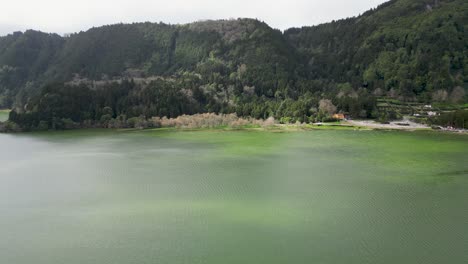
(233, 197)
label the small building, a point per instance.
(339, 116)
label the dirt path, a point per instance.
(393, 125)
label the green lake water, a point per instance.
(4, 115)
(108, 197)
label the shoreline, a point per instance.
(278, 128)
(361, 125)
(394, 125)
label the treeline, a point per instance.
(124, 103)
(196, 121)
(60, 105)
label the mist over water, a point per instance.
(233, 197)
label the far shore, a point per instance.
(396, 125)
(255, 125)
(357, 125)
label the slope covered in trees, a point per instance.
(406, 50)
(215, 49)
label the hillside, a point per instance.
(409, 51)
(404, 48)
(31, 59)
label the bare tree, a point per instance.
(440, 96)
(457, 94)
(326, 106)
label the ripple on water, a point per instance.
(234, 197)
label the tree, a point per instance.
(457, 95)
(327, 107)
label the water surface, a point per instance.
(233, 197)
(4, 115)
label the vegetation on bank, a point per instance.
(455, 119)
(206, 120)
(125, 104)
(201, 121)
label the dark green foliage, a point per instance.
(411, 48)
(457, 119)
(24, 58)
(59, 105)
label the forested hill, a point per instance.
(214, 49)
(406, 50)
(402, 48)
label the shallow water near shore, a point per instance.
(4, 115)
(233, 197)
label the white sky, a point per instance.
(66, 16)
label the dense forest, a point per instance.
(410, 51)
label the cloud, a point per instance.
(64, 16)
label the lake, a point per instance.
(112, 197)
(4, 115)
